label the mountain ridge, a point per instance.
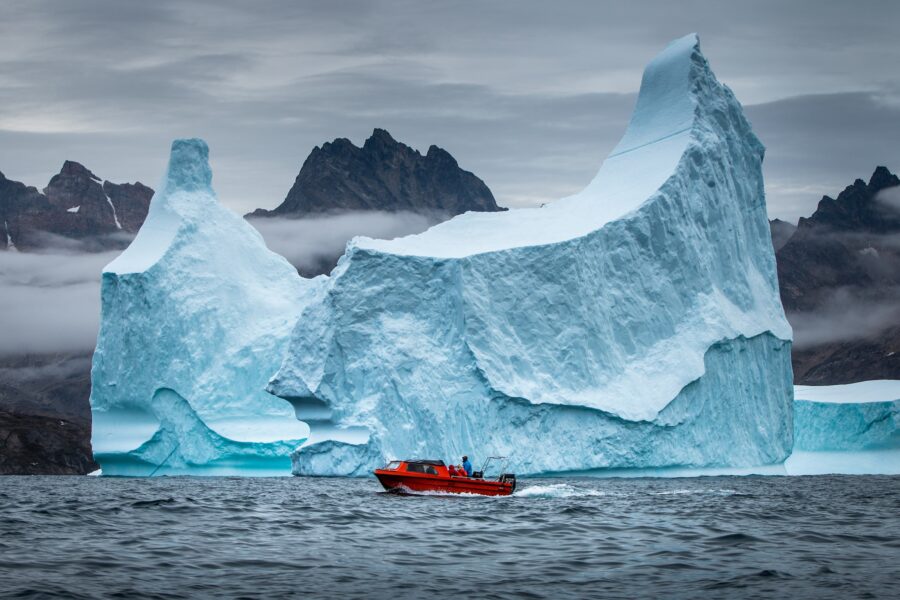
(75, 205)
(839, 276)
(385, 175)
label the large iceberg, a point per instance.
(635, 324)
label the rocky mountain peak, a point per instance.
(71, 168)
(382, 175)
(380, 137)
(76, 205)
(839, 275)
(781, 232)
(882, 178)
(855, 208)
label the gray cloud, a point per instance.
(50, 302)
(314, 244)
(817, 145)
(846, 316)
(889, 200)
(530, 96)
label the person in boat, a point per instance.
(467, 466)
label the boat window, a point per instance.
(393, 465)
(420, 468)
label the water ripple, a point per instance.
(734, 537)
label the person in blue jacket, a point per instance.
(467, 466)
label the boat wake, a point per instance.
(556, 490)
(405, 491)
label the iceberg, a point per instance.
(196, 316)
(852, 428)
(636, 324)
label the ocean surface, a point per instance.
(716, 537)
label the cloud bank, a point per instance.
(50, 302)
(314, 244)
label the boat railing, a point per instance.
(503, 460)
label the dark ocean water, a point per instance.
(718, 537)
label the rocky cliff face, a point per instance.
(76, 206)
(45, 422)
(383, 175)
(839, 274)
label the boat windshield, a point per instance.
(393, 465)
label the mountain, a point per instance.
(76, 207)
(839, 274)
(383, 175)
(781, 232)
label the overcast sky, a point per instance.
(530, 96)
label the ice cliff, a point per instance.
(851, 428)
(635, 324)
(855, 416)
(196, 315)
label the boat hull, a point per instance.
(404, 482)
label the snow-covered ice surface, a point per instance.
(196, 315)
(636, 324)
(878, 390)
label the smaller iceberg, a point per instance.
(196, 315)
(853, 428)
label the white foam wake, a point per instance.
(556, 490)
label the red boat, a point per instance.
(411, 476)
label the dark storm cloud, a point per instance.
(530, 96)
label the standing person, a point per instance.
(467, 466)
